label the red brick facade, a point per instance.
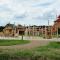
(56, 25)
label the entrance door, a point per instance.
(58, 32)
(21, 32)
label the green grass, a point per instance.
(49, 52)
(13, 42)
(54, 45)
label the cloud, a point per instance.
(28, 11)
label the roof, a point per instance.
(58, 19)
(10, 25)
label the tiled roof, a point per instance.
(58, 19)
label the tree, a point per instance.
(1, 28)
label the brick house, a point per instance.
(56, 26)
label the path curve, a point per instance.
(32, 44)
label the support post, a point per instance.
(57, 32)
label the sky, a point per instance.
(29, 12)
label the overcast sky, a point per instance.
(29, 12)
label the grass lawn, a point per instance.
(13, 42)
(49, 52)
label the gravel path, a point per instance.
(32, 44)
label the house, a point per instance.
(12, 30)
(56, 26)
(37, 30)
(32, 30)
(9, 30)
(20, 30)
